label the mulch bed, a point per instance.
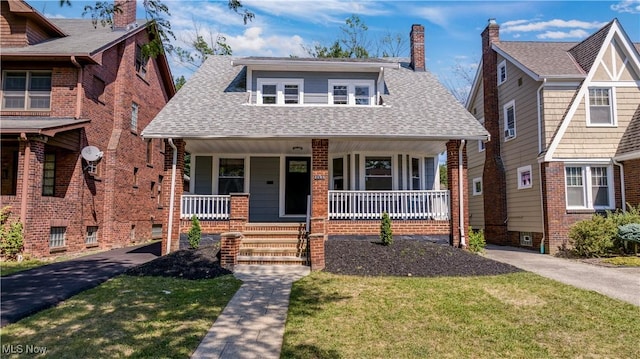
(407, 257)
(201, 263)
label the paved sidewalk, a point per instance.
(27, 292)
(619, 283)
(252, 323)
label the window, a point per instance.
(526, 238)
(135, 176)
(510, 120)
(502, 72)
(481, 145)
(149, 151)
(378, 173)
(153, 189)
(337, 181)
(351, 92)
(134, 117)
(132, 233)
(589, 187)
(97, 89)
(280, 91)
(600, 107)
(26, 90)
(415, 174)
(525, 177)
(231, 176)
(477, 186)
(49, 175)
(141, 62)
(159, 199)
(92, 235)
(57, 237)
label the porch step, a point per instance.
(274, 243)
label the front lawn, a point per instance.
(624, 261)
(138, 317)
(440, 302)
(10, 267)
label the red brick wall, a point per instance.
(127, 16)
(206, 226)
(416, 37)
(632, 181)
(166, 190)
(399, 227)
(109, 200)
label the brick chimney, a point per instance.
(416, 37)
(125, 19)
(495, 185)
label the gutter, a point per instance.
(78, 87)
(25, 181)
(544, 233)
(461, 194)
(172, 195)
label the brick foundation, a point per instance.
(229, 249)
(399, 227)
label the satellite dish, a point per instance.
(91, 153)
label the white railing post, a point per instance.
(205, 207)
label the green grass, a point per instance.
(7, 268)
(519, 315)
(623, 261)
(137, 317)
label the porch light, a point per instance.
(297, 148)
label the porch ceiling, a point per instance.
(303, 146)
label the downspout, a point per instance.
(172, 193)
(78, 87)
(379, 85)
(25, 181)
(461, 193)
(538, 96)
(622, 187)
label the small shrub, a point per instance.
(476, 241)
(386, 234)
(593, 237)
(630, 233)
(195, 233)
(11, 240)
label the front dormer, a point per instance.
(315, 82)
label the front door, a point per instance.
(297, 185)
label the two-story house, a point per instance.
(564, 120)
(69, 85)
(325, 146)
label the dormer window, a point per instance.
(351, 92)
(279, 91)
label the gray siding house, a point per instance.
(318, 146)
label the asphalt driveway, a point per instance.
(28, 292)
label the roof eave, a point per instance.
(310, 136)
(296, 64)
(47, 131)
(47, 57)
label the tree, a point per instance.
(391, 45)
(443, 177)
(354, 40)
(199, 49)
(179, 82)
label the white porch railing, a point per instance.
(432, 205)
(205, 207)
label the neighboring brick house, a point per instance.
(356, 136)
(65, 86)
(564, 120)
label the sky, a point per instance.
(452, 28)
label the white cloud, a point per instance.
(316, 11)
(629, 6)
(559, 35)
(534, 26)
(252, 42)
(436, 15)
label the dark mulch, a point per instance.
(201, 263)
(407, 257)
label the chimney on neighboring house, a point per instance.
(125, 19)
(416, 37)
(494, 176)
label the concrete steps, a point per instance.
(274, 243)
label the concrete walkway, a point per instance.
(252, 323)
(27, 292)
(619, 283)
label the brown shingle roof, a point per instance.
(630, 143)
(545, 59)
(585, 53)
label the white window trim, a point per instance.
(421, 170)
(612, 107)
(26, 91)
(522, 170)
(501, 65)
(586, 180)
(481, 144)
(345, 176)
(279, 83)
(509, 104)
(477, 180)
(351, 90)
(395, 180)
(215, 169)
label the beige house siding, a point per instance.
(613, 67)
(556, 102)
(523, 205)
(475, 164)
(581, 141)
